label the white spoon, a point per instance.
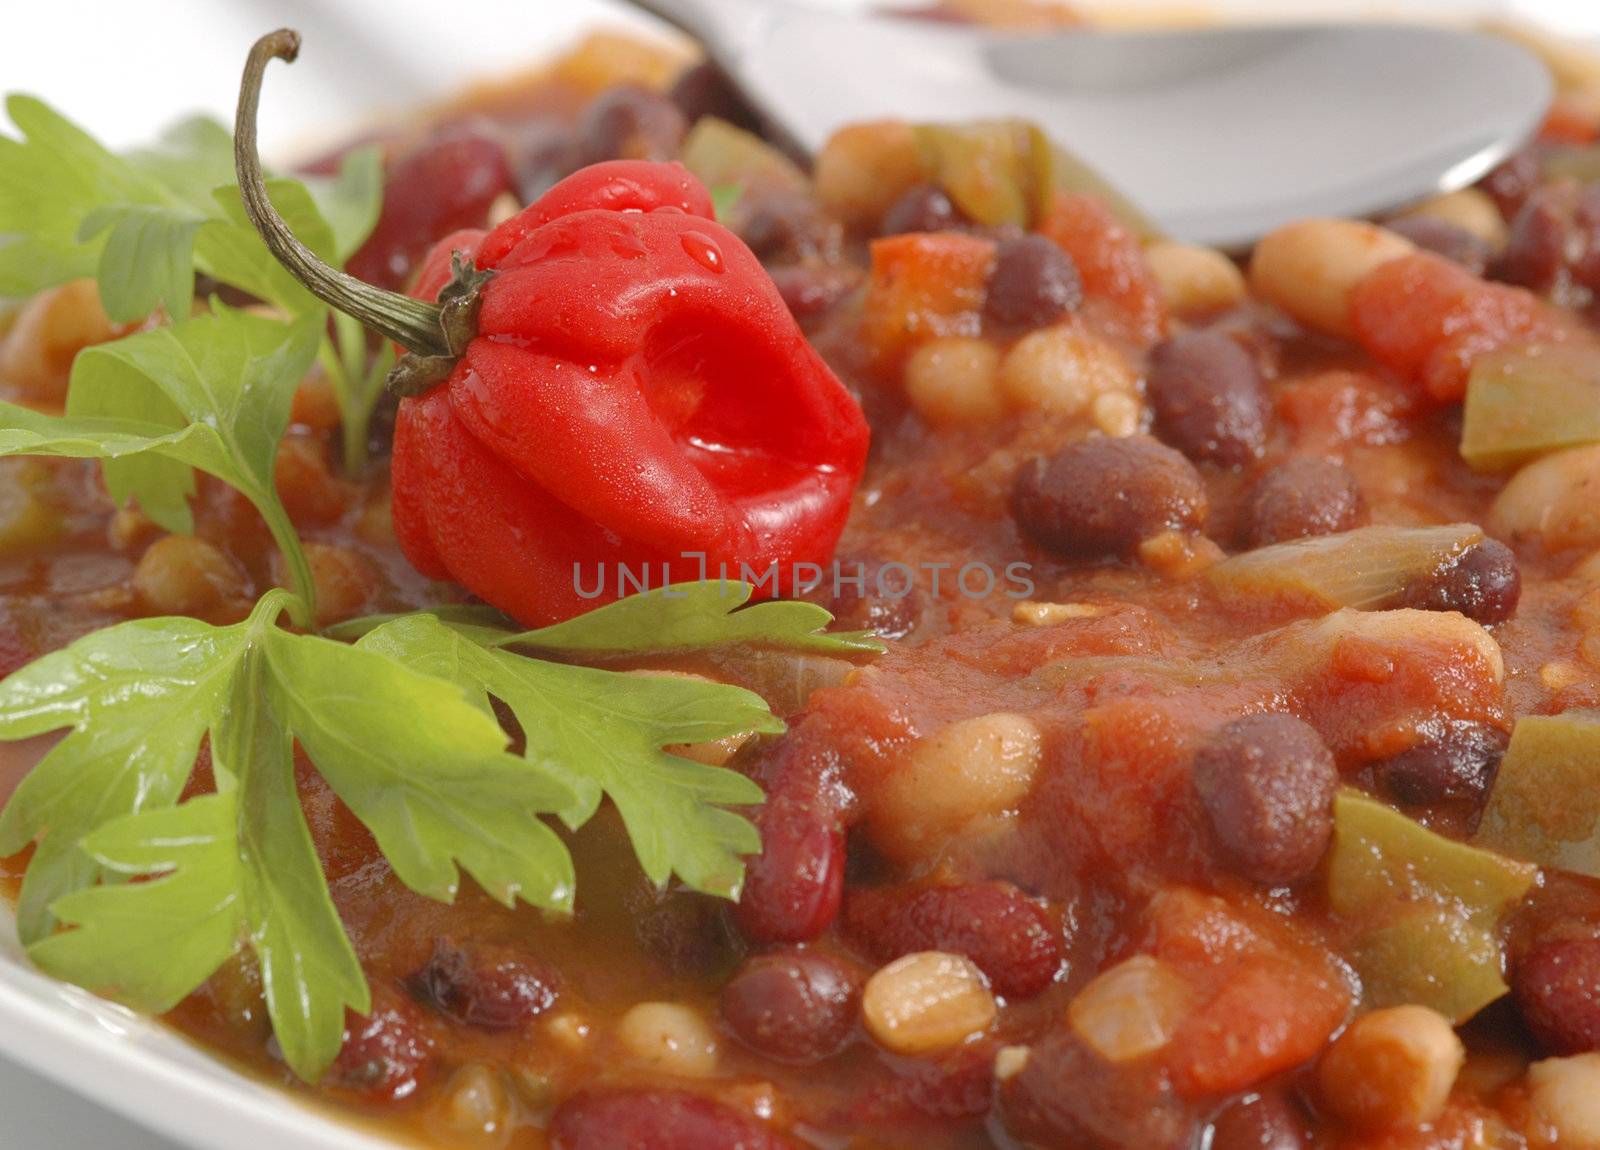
(1220, 134)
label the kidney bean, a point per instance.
(1484, 584)
(787, 223)
(810, 290)
(16, 644)
(1267, 784)
(887, 603)
(387, 1055)
(1103, 497)
(658, 1119)
(1513, 181)
(924, 208)
(630, 123)
(444, 185)
(1014, 940)
(483, 985)
(793, 1005)
(1557, 989)
(1456, 763)
(1302, 497)
(543, 154)
(1066, 1095)
(1452, 241)
(1585, 264)
(1209, 399)
(1270, 1121)
(1034, 283)
(793, 888)
(1536, 249)
(706, 90)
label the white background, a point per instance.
(124, 68)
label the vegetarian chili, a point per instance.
(1203, 752)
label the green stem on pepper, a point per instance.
(436, 334)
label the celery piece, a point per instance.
(1057, 170)
(1546, 801)
(723, 156)
(1426, 909)
(1526, 402)
(986, 168)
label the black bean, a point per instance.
(1452, 241)
(1557, 988)
(543, 154)
(885, 601)
(706, 90)
(483, 985)
(630, 123)
(387, 1055)
(1536, 249)
(792, 1005)
(1067, 1095)
(1302, 497)
(1269, 1121)
(1034, 283)
(687, 934)
(1484, 584)
(1103, 497)
(1455, 763)
(1209, 399)
(1267, 784)
(924, 208)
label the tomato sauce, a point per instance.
(1013, 785)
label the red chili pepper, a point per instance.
(637, 392)
(614, 382)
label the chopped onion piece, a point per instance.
(1369, 568)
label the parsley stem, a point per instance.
(412, 323)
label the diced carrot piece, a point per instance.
(1270, 1015)
(924, 286)
(1428, 319)
(1569, 123)
(1110, 261)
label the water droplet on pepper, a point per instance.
(705, 251)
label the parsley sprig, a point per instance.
(394, 713)
(143, 223)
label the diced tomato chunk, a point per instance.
(1110, 262)
(924, 286)
(1428, 319)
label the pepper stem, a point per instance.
(412, 323)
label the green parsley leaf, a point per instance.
(147, 261)
(695, 615)
(350, 202)
(211, 393)
(419, 760)
(603, 732)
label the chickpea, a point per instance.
(1117, 414)
(968, 771)
(26, 520)
(1391, 1068)
(865, 168)
(345, 580)
(476, 1101)
(1195, 280)
(1062, 370)
(183, 575)
(315, 404)
(1553, 498)
(36, 355)
(1310, 268)
(310, 491)
(1566, 1094)
(925, 1002)
(952, 381)
(1471, 210)
(669, 1037)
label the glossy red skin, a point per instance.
(629, 400)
